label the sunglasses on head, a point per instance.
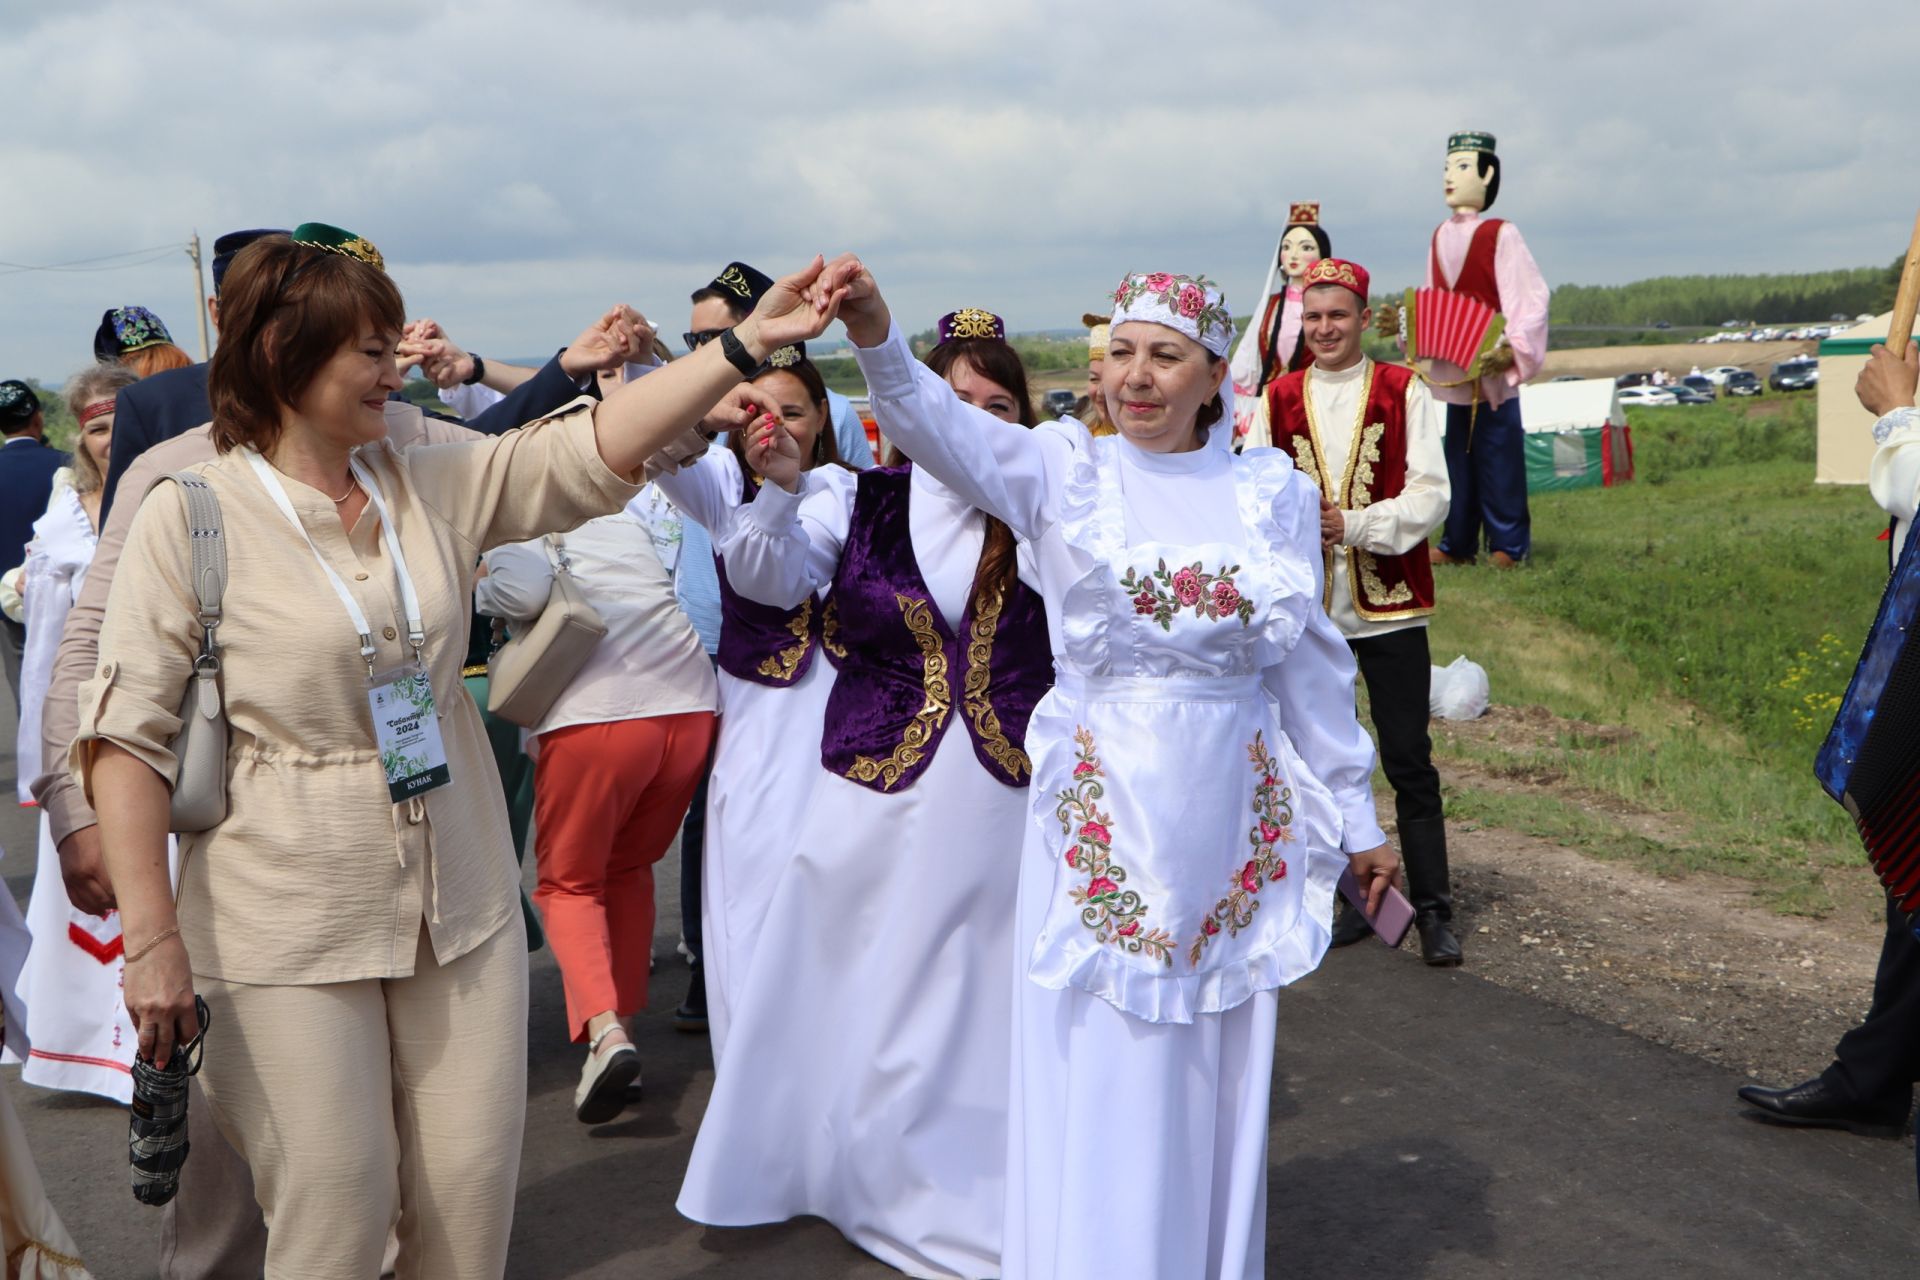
(701, 337)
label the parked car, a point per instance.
(1794, 375)
(1060, 402)
(1566, 377)
(1633, 380)
(1744, 383)
(1663, 324)
(1687, 395)
(1648, 396)
(1719, 374)
(1697, 382)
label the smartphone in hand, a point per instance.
(1396, 913)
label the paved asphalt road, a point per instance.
(1424, 1124)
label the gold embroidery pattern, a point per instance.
(830, 629)
(733, 278)
(1361, 493)
(976, 700)
(933, 710)
(972, 322)
(1308, 462)
(783, 664)
(1367, 567)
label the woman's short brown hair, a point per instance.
(285, 310)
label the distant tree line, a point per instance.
(1712, 300)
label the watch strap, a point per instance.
(736, 353)
(479, 372)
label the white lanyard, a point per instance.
(409, 598)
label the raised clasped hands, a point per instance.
(1889, 380)
(794, 310)
(620, 337)
(442, 361)
(862, 309)
(1375, 870)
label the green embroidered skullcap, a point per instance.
(334, 240)
(1470, 142)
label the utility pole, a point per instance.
(199, 293)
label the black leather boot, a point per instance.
(1349, 926)
(1423, 851)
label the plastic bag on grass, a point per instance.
(1460, 690)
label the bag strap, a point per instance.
(206, 535)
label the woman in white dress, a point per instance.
(77, 1022)
(773, 688)
(871, 1036)
(1200, 782)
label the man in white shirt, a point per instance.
(1371, 436)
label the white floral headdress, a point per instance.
(1192, 305)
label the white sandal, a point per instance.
(602, 1094)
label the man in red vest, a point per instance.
(1369, 435)
(1486, 259)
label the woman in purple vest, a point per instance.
(871, 1046)
(1200, 782)
(773, 689)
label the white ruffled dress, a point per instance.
(1198, 772)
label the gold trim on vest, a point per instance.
(783, 664)
(976, 698)
(933, 711)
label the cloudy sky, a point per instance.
(523, 165)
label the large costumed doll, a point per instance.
(1271, 346)
(1475, 265)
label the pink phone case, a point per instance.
(1396, 913)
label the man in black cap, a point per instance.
(27, 465)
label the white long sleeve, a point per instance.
(1004, 469)
(1398, 524)
(1314, 689)
(785, 546)
(1894, 477)
(706, 491)
(518, 584)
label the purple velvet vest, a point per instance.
(759, 642)
(903, 673)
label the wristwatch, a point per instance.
(479, 372)
(736, 353)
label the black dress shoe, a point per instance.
(691, 1016)
(1818, 1105)
(1349, 926)
(1438, 946)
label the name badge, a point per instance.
(406, 724)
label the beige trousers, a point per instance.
(359, 1104)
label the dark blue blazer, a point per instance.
(26, 483)
(174, 403)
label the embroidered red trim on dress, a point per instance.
(82, 1059)
(1114, 914)
(104, 952)
(1272, 825)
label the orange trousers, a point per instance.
(607, 801)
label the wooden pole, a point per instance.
(200, 291)
(1907, 299)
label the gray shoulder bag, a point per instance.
(200, 747)
(527, 674)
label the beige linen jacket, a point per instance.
(316, 876)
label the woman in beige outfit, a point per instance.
(362, 959)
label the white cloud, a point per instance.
(523, 165)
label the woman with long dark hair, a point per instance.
(895, 910)
(1271, 346)
(773, 685)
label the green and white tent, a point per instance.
(1577, 435)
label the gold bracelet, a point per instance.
(153, 942)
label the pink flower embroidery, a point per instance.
(1084, 768)
(1226, 597)
(1270, 833)
(1192, 301)
(1186, 587)
(1100, 887)
(1143, 603)
(1160, 282)
(1250, 878)
(1073, 861)
(1280, 871)
(1128, 929)
(1095, 831)
(1208, 927)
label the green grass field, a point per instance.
(1714, 609)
